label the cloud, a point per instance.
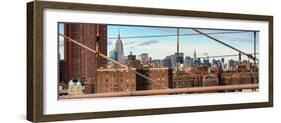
(130, 42)
(146, 43)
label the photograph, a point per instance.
(110, 60)
(90, 61)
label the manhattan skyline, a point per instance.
(104, 59)
(158, 47)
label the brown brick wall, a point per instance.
(81, 63)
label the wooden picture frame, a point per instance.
(35, 55)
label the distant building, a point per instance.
(231, 65)
(222, 60)
(210, 80)
(203, 69)
(180, 57)
(184, 80)
(133, 62)
(242, 78)
(131, 56)
(226, 78)
(234, 78)
(124, 60)
(217, 63)
(194, 55)
(239, 55)
(113, 54)
(173, 60)
(197, 62)
(222, 63)
(119, 49)
(177, 58)
(167, 62)
(156, 63)
(160, 76)
(194, 70)
(206, 62)
(144, 58)
(244, 67)
(188, 61)
(215, 69)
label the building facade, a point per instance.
(210, 80)
(116, 80)
(123, 80)
(79, 62)
(162, 77)
(183, 80)
(144, 58)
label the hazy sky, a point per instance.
(160, 47)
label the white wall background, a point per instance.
(13, 61)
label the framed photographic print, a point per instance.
(96, 61)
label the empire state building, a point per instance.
(119, 49)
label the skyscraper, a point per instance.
(194, 55)
(196, 60)
(167, 62)
(119, 49)
(239, 55)
(81, 63)
(180, 58)
(144, 58)
(131, 56)
(188, 61)
(113, 54)
(173, 60)
(206, 62)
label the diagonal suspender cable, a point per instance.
(162, 86)
(104, 56)
(94, 51)
(221, 42)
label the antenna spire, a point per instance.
(118, 34)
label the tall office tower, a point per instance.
(194, 55)
(119, 49)
(80, 62)
(239, 55)
(144, 58)
(180, 58)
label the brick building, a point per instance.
(116, 80)
(79, 62)
(123, 80)
(162, 76)
(234, 78)
(210, 80)
(184, 80)
(226, 78)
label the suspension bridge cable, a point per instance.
(172, 35)
(221, 42)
